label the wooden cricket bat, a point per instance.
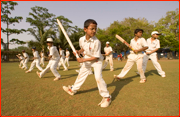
(123, 41)
(67, 38)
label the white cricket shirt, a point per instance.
(61, 52)
(152, 45)
(35, 54)
(54, 53)
(107, 50)
(68, 53)
(25, 55)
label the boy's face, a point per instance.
(33, 50)
(49, 44)
(139, 34)
(107, 45)
(91, 30)
(155, 36)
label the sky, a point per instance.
(104, 12)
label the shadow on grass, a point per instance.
(151, 72)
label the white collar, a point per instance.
(90, 40)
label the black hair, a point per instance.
(138, 30)
(88, 22)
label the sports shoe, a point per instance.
(105, 102)
(38, 74)
(65, 70)
(69, 90)
(116, 77)
(142, 81)
(27, 71)
(163, 76)
(57, 79)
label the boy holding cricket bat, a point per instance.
(53, 61)
(91, 47)
(138, 44)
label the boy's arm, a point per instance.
(152, 51)
(81, 60)
(140, 50)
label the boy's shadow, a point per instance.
(151, 72)
(118, 86)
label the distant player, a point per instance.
(138, 44)
(154, 45)
(67, 57)
(53, 61)
(109, 56)
(26, 57)
(42, 58)
(36, 61)
(21, 59)
(61, 53)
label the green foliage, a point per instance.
(17, 41)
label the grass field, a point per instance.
(27, 95)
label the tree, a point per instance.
(7, 7)
(168, 26)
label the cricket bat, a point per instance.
(67, 37)
(123, 41)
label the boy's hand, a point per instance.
(80, 60)
(148, 53)
(135, 51)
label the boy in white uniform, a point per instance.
(61, 53)
(154, 45)
(21, 59)
(26, 57)
(67, 57)
(42, 58)
(36, 61)
(109, 56)
(93, 58)
(53, 61)
(138, 44)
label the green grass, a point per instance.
(27, 95)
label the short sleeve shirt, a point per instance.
(107, 50)
(92, 47)
(136, 45)
(61, 52)
(67, 53)
(153, 45)
(25, 55)
(21, 58)
(54, 52)
(35, 54)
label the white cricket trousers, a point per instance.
(42, 61)
(52, 65)
(67, 61)
(37, 63)
(62, 62)
(153, 58)
(132, 58)
(110, 59)
(21, 63)
(25, 63)
(84, 72)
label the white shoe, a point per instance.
(57, 79)
(69, 90)
(137, 73)
(105, 102)
(77, 71)
(142, 81)
(27, 71)
(163, 76)
(38, 74)
(116, 77)
(65, 70)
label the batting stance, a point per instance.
(154, 45)
(21, 59)
(61, 53)
(36, 61)
(67, 57)
(138, 44)
(53, 61)
(26, 57)
(109, 56)
(93, 58)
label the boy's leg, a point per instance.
(43, 61)
(32, 66)
(68, 62)
(45, 70)
(83, 73)
(105, 63)
(111, 63)
(139, 67)
(38, 65)
(157, 65)
(62, 61)
(144, 64)
(100, 81)
(53, 69)
(59, 64)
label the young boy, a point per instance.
(138, 44)
(61, 53)
(67, 57)
(26, 57)
(42, 58)
(109, 56)
(93, 58)
(21, 59)
(36, 61)
(53, 61)
(154, 45)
